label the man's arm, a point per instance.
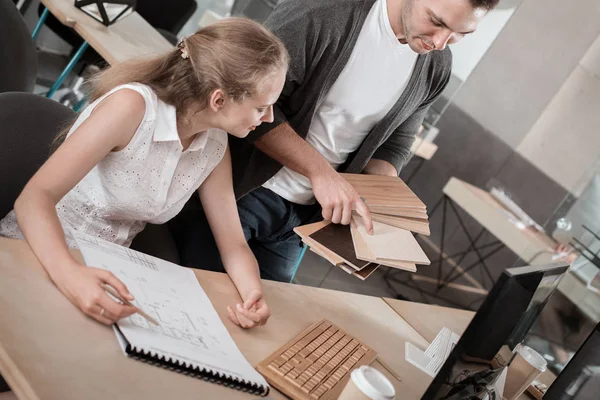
(380, 167)
(335, 195)
(395, 151)
(285, 146)
(292, 22)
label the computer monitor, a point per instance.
(566, 321)
(500, 324)
(580, 379)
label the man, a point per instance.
(362, 76)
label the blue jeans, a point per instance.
(267, 220)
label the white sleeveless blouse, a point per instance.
(150, 180)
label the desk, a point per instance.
(50, 350)
(428, 320)
(530, 245)
(128, 38)
(424, 150)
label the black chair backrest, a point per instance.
(28, 125)
(18, 69)
(166, 15)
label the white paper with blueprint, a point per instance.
(190, 334)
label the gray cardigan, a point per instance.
(320, 36)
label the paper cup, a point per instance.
(366, 383)
(527, 365)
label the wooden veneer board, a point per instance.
(363, 253)
(363, 274)
(404, 212)
(338, 239)
(366, 271)
(341, 250)
(326, 254)
(384, 191)
(416, 225)
(306, 230)
(391, 243)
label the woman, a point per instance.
(154, 133)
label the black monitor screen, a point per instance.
(541, 295)
(580, 379)
(501, 323)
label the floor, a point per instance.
(316, 271)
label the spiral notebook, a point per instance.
(191, 338)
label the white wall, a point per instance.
(525, 67)
(564, 142)
(468, 52)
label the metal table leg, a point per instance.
(67, 69)
(36, 30)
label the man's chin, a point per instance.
(416, 47)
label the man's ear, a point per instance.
(217, 100)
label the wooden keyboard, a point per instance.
(317, 363)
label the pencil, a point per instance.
(116, 294)
(391, 371)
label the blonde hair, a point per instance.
(236, 55)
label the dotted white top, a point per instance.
(150, 180)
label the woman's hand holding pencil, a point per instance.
(85, 287)
(116, 295)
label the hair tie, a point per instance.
(183, 48)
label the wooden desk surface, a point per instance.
(530, 245)
(428, 319)
(128, 38)
(50, 350)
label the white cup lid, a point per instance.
(373, 383)
(533, 357)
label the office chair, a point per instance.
(26, 143)
(29, 124)
(19, 67)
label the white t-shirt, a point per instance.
(368, 87)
